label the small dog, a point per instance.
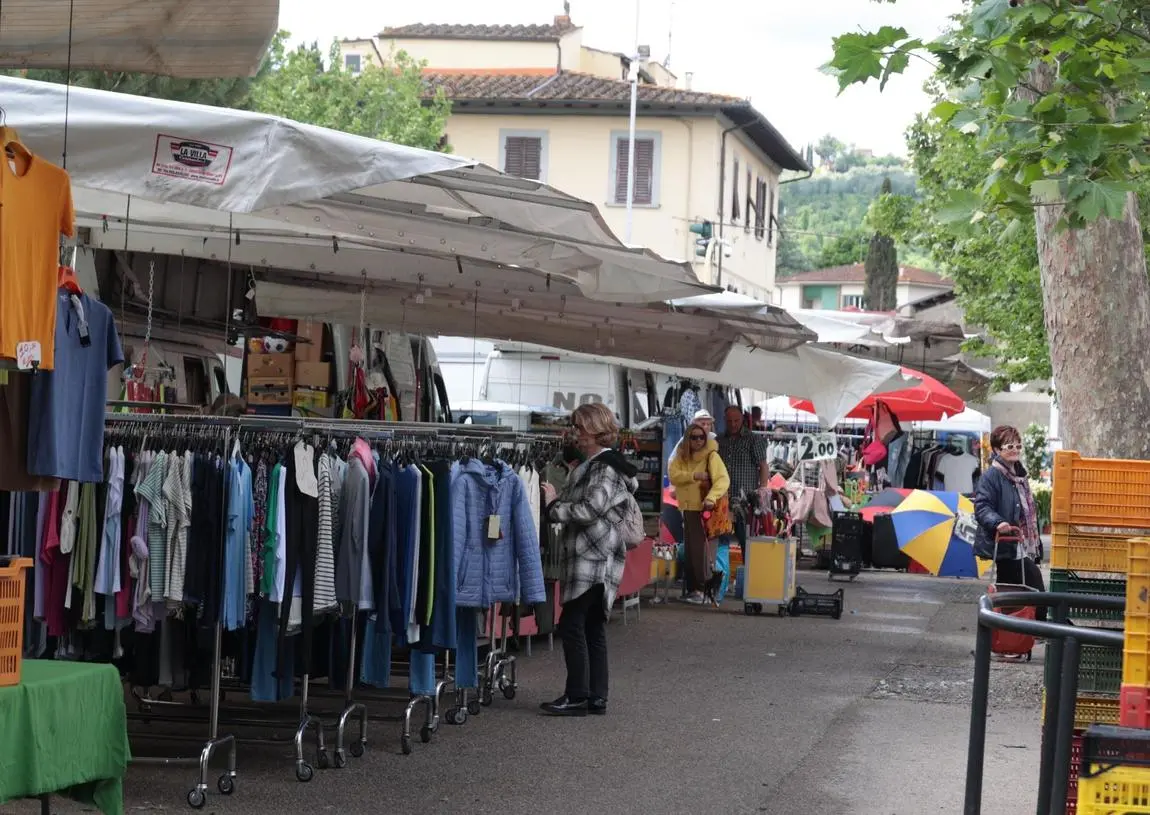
(711, 588)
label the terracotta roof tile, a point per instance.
(856, 273)
(566, 86)
(545, 32)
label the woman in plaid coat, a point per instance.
(591, 509)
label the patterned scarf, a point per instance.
(1029, 509)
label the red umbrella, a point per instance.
(927, 402)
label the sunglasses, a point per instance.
(696, 437)
(1012, 447)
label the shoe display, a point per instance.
(566, 707)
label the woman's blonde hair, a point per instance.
(597, 421)
(685, 448)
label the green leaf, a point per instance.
(958, 206)
(988, 19)
(1093, 199)
(1085, 142)
(896, 64)
(945, 110)
(1129, 135)
(1046, 191)
(854, 61)
(1047, 103)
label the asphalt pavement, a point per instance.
(710, 710)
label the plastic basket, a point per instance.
(1079, 551)
(12, 584)
(1090, 710)
(1099, 670)
(1114, 776)
(1136, 650)
(1074, 583)
(1100, 491)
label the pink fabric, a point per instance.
(362, 450)
(124, 595)
(56, 564)
(637, 568)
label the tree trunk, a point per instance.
(1096, 299)
(880, 292)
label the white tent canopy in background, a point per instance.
(178, 38)
(204, 172)
(778, 409)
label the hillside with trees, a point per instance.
(823, 219)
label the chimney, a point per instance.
(562, 21)
(688, 77)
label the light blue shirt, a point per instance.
(241, 510)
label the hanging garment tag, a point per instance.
(82, 326)
(305, 478)
(27, 355)
(493, 526)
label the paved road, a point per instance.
(710, 711)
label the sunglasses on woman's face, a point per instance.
(1012, 447)
(697, 438)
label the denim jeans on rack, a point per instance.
(376, 670)
(421, 680)
(897, 459)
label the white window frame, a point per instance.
(544, 148)
(654, 136)
(844, 298)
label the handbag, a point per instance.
(630, 525)
(873, 450)
(718, 521)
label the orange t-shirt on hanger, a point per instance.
(35, 208)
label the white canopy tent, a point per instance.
(329, 224)
(178, 38)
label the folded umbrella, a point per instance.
(936, 529)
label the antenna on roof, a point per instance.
(670, 33)
(567, 8)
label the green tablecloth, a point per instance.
(64, 730)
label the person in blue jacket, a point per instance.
(1004, 503)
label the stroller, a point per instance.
(1007, 643)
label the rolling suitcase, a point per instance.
(1007, 643)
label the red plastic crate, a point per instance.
(1134, 706)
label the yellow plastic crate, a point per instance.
(1136, 650)
(1090, 710)
(1078, 551)
(1100, 492)
(1118, 791)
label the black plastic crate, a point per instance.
(827, 605)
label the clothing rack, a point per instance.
(498, 671)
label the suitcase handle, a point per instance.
(1010, 535)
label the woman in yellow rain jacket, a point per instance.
(700, 479)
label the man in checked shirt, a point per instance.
(745, 455)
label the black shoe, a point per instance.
(597, 706)
(565, 707)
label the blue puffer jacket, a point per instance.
(507, 570)
(996, 500)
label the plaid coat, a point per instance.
(593, 550)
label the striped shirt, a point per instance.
(151, 489)
(325, 598)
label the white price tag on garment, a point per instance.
(27, 355)
(818, 447)
(493, 528)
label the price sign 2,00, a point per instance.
(818, 448)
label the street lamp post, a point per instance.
(633, 75)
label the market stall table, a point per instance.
(63, 730)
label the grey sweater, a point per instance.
(355, 506)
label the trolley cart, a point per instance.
(846, 545)
(1007, 643)
(769, 574)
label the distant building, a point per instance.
(841, 287)
(535, 101)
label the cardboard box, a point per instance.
(315, 375)
(273, 390)
(311, 351)
(268, 366)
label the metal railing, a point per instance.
(1064, 647)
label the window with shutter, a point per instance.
(760, 208)
(644, 171)
(752, 206)
(735, 213)
(523, 156)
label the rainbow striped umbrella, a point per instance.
(937, 529)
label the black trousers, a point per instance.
(1023, 572)
(583, 627)
(302, 532)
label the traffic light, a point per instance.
(705, 231)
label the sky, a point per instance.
(768, 51)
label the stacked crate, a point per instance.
(1097, 505)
